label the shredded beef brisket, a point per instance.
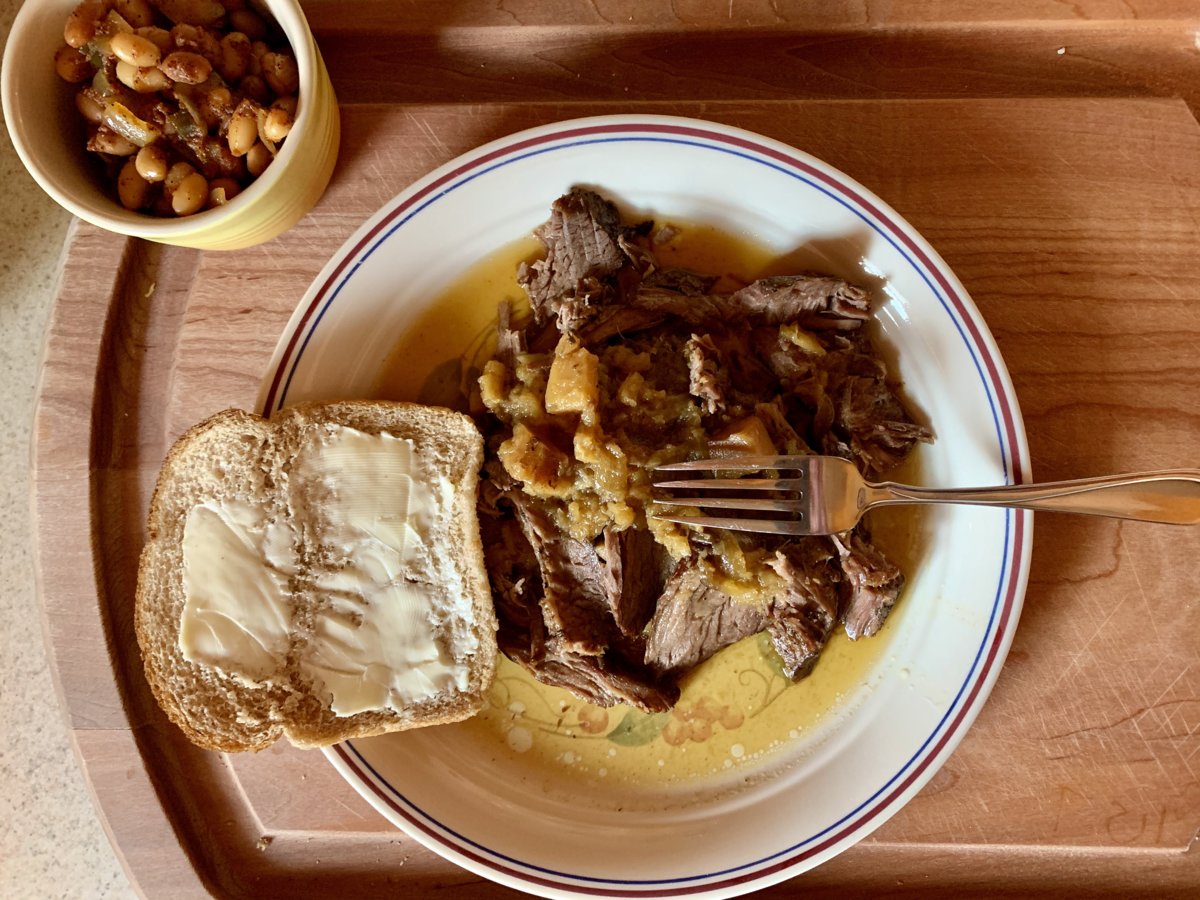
(783, 363)
(513, 569)
(552, 619)
(681, 281)
(573, 603)
(617, 321)
(871, 585)
(694, 620)
(706, 375)
(856, 412)
(606, 681)
(816, 301)
(803, 613)
(632, 577)
(510, 342)
(583, 251)
(879, 430)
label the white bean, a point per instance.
(235, 56)
(137, 13)
(289, 103)
(277, 125)
(81, 23)
(132, 188)
(89, 107)
(249, 23)
(186, 67)
(72, 66)
(159, 37)
(281, 73)
(258, 159)
(254, 88)
(135, 50)
(192, 12)
(105, 140)
(175, 176)
(190, 195)
(151, 163)
(243, 130)
(145, 81)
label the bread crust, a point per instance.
(235, 454)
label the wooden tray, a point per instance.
(1050, 154)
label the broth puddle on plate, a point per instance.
(737, 714)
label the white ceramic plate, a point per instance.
(830, 785)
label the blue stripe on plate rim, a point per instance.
(792, 163)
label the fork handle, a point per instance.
(1171, 495)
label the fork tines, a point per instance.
(741, 484)
(737, 464)
(792, 504)
(788, 527)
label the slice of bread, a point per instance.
(319, 583)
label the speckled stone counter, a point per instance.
(51, 840)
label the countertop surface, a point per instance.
(51, 841)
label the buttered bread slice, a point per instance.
(318, 576)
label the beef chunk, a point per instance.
(856, 412)
(803, 613)
(582, 253)
(509, 341)
(642, 259)
(605, 680)
(573, 603)
(880, 432)
(694, 620)
(871, 584)
(695, 309)
(681, 281)
(552, 621)
(706, 374)
(629, 318)
(516, 587)
(817, 301)
(750, 379)
(666, 290)
(513, 570)
(610, 321)
(632, 577)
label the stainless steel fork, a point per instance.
(827, 495)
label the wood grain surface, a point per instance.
(1063, 189)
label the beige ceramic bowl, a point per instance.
(49, 135)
